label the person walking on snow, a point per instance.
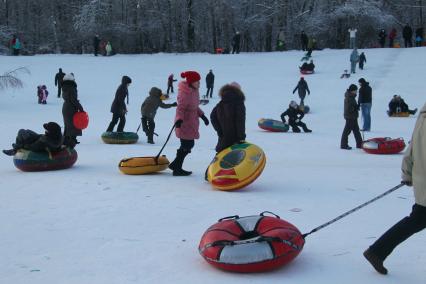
(118, 107)
(209, 84)
(413, 174)
(302, 88)
(407, 34)
(354, 58)
(187, 117)
(149, 110)
(351, 117)
(364, 103)
(170, 81)
(295, 116)
(352, 38)
(362, 60)
(236, 43)
(59, 77)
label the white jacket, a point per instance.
(414, 161)
(352, 33)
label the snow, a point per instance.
(92, 224)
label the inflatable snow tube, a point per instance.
(401, 114)
(272, 125)
(305, 108)
(120, 137)
(307, 72)
(143, 165)
(383, 145)
(29, 161)
(236, 167)
(251, 243)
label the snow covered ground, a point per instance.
(92, 224)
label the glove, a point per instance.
(178, 123)
(174, 104)
(205, 119)
(407, 182)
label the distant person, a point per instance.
(209, 84)
(236, 43)
(419, 36)
(354, 58)
(42, 94)
(352, 37)
(170, 81)
(108, 49)
(407, 34)
(413, 174)
(398, 105)
(350, 114)
(96, 42)
(345, 74)
(27, 139)
(308, 66)
(281, 40)
(362, 60)
(295, 116)
(59, 77)
(149, 110)
(15, 44)
(382, 38)
(118, 107)
(365, 102)
(69, 108)
(392, 36)
(302, 88)
(304, 41)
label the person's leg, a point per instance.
(353, 66)
(345, 135)
(122, 123)
(304, 127)
(356, 132)
(59, 91)
(151, 129)
(211, 92)
(294, 127)
(113, 122)
(367, 118)
(181, 153)
(168, 89)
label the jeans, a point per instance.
(353, 66)
(366, 110)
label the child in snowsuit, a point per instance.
(362, 60)
(302, 88)
(43, 94)
(397, 105)
(295, 116)
(118, 107)
(149, 110)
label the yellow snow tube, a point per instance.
(143, 165)
(236, 167)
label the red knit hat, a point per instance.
(191, 76)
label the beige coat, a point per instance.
(414, 162)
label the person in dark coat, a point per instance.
(302, 88)
(382, 37)
(209, 84)
(308, 66)
(351, 117)
(96, 42)
(392, 36)
(149, 110)
(228, 117)
(362, 60)
(407, 34)
(236, 43)
(170, 81)
(419, 36)
(304, 41)
(69, 108)
(50, 141)
(364, 103)
(397, 105)
(118, 107)
(295, 116)
(59, 77)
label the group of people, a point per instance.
(103, 46)
(407, 35)
(356, 58)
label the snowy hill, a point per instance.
(92, 224)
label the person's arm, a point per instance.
(163, 105)
(215, 122)
(295, 89)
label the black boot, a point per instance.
(375, 261)
(10, 152)
(176, 165)
(150, 136)
(412, 111)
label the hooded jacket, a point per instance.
(365, 94)
(350, 106)
(152, 103)
(118, 105)
(414, 161)
(70, 107)
(228, 117)
(302, 88)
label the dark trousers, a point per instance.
(408, 43)
(295, 126)
(186, 145)
(115, 118)
(401, 231)
(59, 91)
(148, 126)
(169, 88)
(209, 89)
(361, 65)
(236, 48)
(351, 126)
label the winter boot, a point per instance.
(375, 261)
(413, 111)
(150, 136)
(306, 129)
(176, 165)
(10, 152)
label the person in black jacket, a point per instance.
(295, 116)
(69, 108)
(236, 43)
(407, 34)
(364, 103)
(149, 110)
(228, 117)
(382, 37)
(304, 41)
(397, 105)
(362, 60)
(27, 139)
(209, 84)
(302, 88)
(351, 116)
(96, 42)
(118, 107)
(59, 77)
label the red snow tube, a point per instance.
(251, 243)
(307, 72)
(383, 145)
(80, 120)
